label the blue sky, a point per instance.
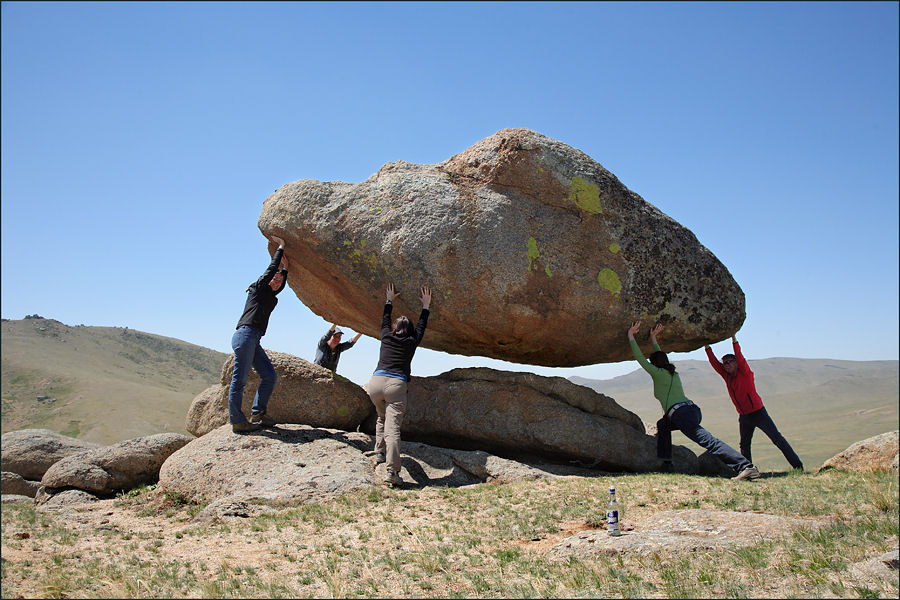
(139, 141)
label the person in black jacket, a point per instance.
(261, 301)
(387, 388)
(329, 348)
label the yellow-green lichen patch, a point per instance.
(608, 279)
(343, 411)
(614, 248)
(533, 253)
(367, 259)
(586, 196)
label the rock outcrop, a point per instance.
(874, 453)
(304, 394)
(109, 469)
(13, 483)
(522, 415)
(681, 531)
(536, 254)
(30, 452)
(298, 464)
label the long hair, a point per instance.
(659, 359)
(402, 327)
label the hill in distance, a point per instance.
(101, 384)
(821, 406)
(108, 384)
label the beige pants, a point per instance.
(388, 394)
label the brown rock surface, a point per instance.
(536, 254)
(109, 469)
(305, 394)
(681, 531)
(30, 452)
(298, 464)
(877, 452)
(13, 483)
(522, 414)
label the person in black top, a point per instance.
(387, 388)
(328, 351)
(261, 301)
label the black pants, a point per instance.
(686, 419)
(760, 418)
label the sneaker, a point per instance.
(244, 427)
(393, 478)
(263, 420)
(750, 473)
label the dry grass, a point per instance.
(478, 541)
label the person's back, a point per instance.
(387, 387)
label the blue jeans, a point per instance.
(760, 418)
(247, 353)
(686, 419)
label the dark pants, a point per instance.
(760, 418)
(248, 353)
(686, 419)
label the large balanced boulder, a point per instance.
(30, 452)
(109, 469)
(305, 393)
(522, 415)
(535, 253)
(880, 452)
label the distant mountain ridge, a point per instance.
(107, 384)
(101, 384)
(820, 405)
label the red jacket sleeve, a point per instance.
(715, 362)
(741, 361)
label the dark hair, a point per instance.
(659, 359)
(727, 356)
(402, 327)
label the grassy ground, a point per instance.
(477, 541)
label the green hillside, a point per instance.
(821, 406)
(101, 384)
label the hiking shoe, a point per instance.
(262, 419)
(750, 473)
(245, 427)
(393, 478)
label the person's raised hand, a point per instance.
(425, 297)
(391, 292)
(635, 327)
(656, 329)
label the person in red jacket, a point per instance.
(751, 412)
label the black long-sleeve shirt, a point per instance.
(397, 352)
(261, 298)
(325, 356)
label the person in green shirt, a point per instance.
(679, 412)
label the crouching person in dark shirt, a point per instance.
(328, 351)
(261, 301)
(387, 388)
